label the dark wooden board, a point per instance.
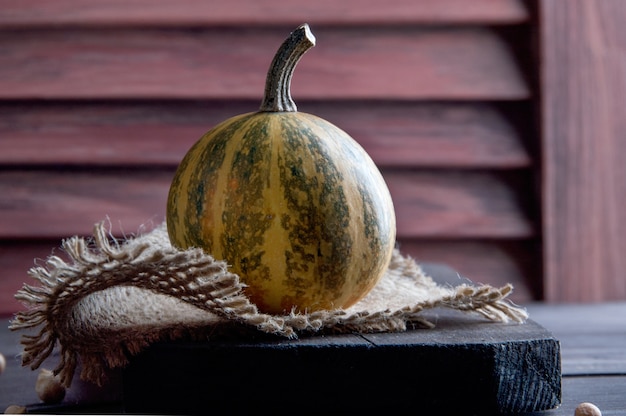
(607, 392)
(144, 133)
(34, 13)
(592, 335)
(597, 326)
(231, 63)
(465, 364)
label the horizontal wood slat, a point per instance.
(460, 204)
(443, 205)
(144, 133)
(29, 13)
(16, 258)
(60, 203)
(231, 63)
(489, 262)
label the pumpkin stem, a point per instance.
(278, 82)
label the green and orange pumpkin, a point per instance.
(291, 202)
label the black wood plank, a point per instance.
(465, 364)
(604, 390)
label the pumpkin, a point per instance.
(291, 202)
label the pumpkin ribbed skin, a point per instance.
(293, 204)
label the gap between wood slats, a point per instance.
(48, 203)
(491, 262)
(405, 62)
(425, 134)
(33, 13)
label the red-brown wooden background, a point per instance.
(464, 107)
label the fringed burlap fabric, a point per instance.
(111, 299)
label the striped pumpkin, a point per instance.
(293, 204)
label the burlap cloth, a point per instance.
(110, 299)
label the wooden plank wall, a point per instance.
(100, 100)
(584, 93)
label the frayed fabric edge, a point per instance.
(203, 282)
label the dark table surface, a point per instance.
(593, 353)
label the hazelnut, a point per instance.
(587, 409)
(49, 388)
(15, 410)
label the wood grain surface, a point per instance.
(493, 368)
(584, 189)
(231, 63)
(144, 133)
(49, 203)
(592, 356)
(471, 221)
(479, 261)
(32, 13)
(100, 100)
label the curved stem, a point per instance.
(278, 82)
